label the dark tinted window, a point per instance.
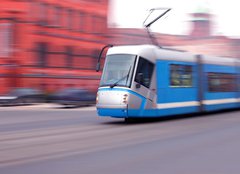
(222, 82)
(146, 69)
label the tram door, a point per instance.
(142, 82)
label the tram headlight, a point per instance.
(125, 98)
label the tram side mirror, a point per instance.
(100, 55)
(139, 79)
(98, 66)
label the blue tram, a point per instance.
(149, 81)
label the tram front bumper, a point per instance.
(119, 111)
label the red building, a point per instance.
(51, 44)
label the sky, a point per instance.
(132, 13)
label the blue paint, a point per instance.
(219, 68)
(176, 111)
(219, 95)
(221, 106)
(208, 68)
(118, 113)
(166, 93)
(136, 113)
(162, 112)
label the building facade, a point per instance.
(50, 44)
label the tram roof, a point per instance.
(153, 53)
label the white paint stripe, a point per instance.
(178, 104)
(221, 101)
(196, 103)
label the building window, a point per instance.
(92, 28)
(145, 68)
(98, 24)
(82, 22)
(222, 82)
(75, 20)
(181, 75)
(6, 34)
(57, 13)
(95, 53)
(43, 14)
(34, 11)
(87, 22)
(69, 57)
(70, 19)
(42, 54)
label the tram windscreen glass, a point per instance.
(118, 70)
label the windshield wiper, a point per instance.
(126, 76)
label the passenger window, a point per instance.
(145, 70)
(180, 75)
(222, 82)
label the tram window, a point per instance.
(180, 75)
(146, 69)
(222, 82)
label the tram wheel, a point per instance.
(129, 120)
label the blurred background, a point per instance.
(50, 45)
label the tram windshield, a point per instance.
(118, 70)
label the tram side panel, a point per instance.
(177, 89)
(220, 87)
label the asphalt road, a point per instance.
(51, 140)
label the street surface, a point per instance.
(45, 139)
